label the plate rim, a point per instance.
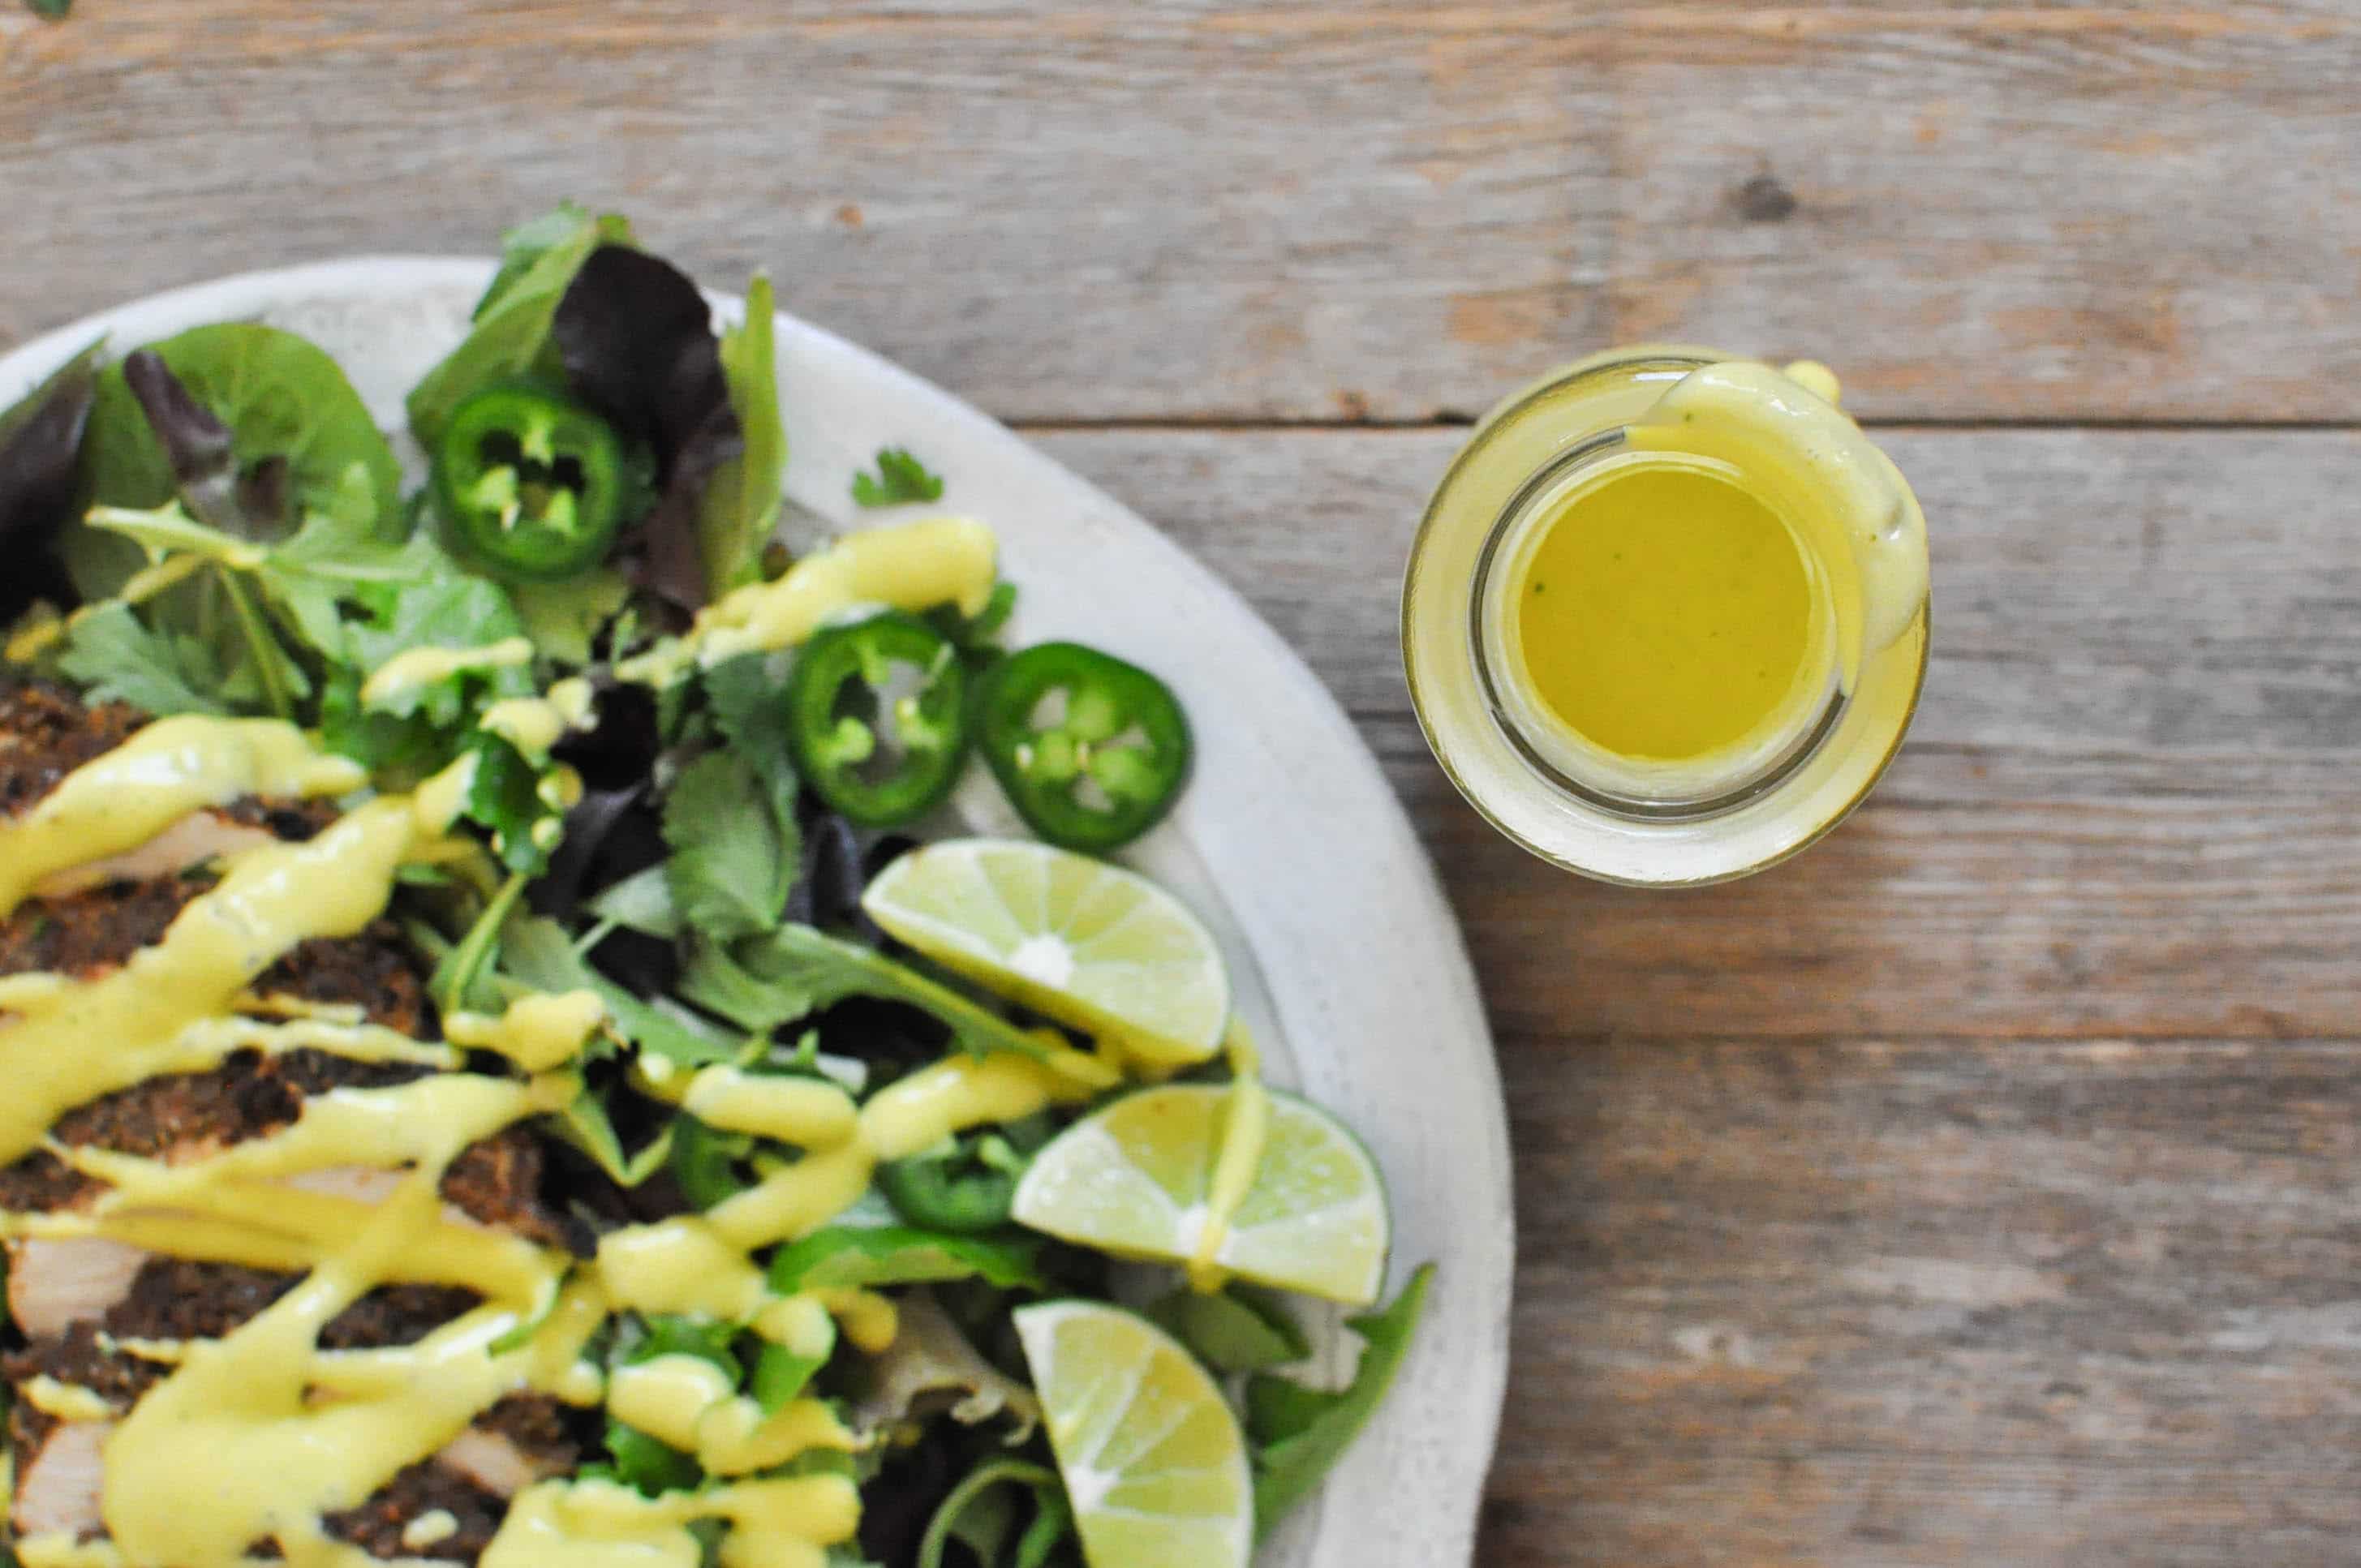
(1489, 1243)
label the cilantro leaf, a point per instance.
(120, 660)
(900, 478)
(504, 799)
(1299, 1434)
(747, 697)
(734, 847)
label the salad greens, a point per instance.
(900, 479)
(213, 525)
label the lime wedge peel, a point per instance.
(1150, 1452)
(1137, 1178)
(1088, 944)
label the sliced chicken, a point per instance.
(196, 839)
(59, 1485)
(55, 1284)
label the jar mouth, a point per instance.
(1649, 835)
(1638, 789)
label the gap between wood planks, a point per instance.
(1215, 425)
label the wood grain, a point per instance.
(1068, 213)
(2126, 808)
(1943, 1302)
(1338, 213)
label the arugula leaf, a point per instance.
(900, 478)
(1299, 1434)
(807, 969)
(1239, 1329)
(511, 335)
(981, 1514)
(586, 1124)
(741, 499)
(120, 660)
(868, 1256)
(735, 847)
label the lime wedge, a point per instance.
(1151, 1455)
(1082, 941)
(1137, 1180)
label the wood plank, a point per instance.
(1950, 1302)
(2067, 215)
(2126, 808)
(1061, 212)
(1208, 211)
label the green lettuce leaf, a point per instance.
(1299, 1433)
(741, 502)
(284, 399)
(511, 337)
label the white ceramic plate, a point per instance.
(1289, 840)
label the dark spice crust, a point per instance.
(534, 1423)
(46, 732)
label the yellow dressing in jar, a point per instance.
(1666, 621)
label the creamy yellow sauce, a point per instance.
(911, 565)
(160, 775)
(416, 668)
(260, 1434)
(1245, 1132)
(1783, 432)
(534, 724)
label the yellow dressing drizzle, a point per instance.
(1785, 433)
(803, 1112)
(160, 775)
(915, 1113)
(1246, 1130)
(260, 1434)
(666, 1396)
(537, 1032)
(782, 1523)
(270, 901)
(66, 1402)
(408, 671)
(534, 724)
(428, 1528)
(910, 565)
(797, 1201)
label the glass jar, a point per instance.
(1754, 797)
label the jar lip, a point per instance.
(1847, 747)
(1671, 791)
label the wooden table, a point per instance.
(1978, 1189)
